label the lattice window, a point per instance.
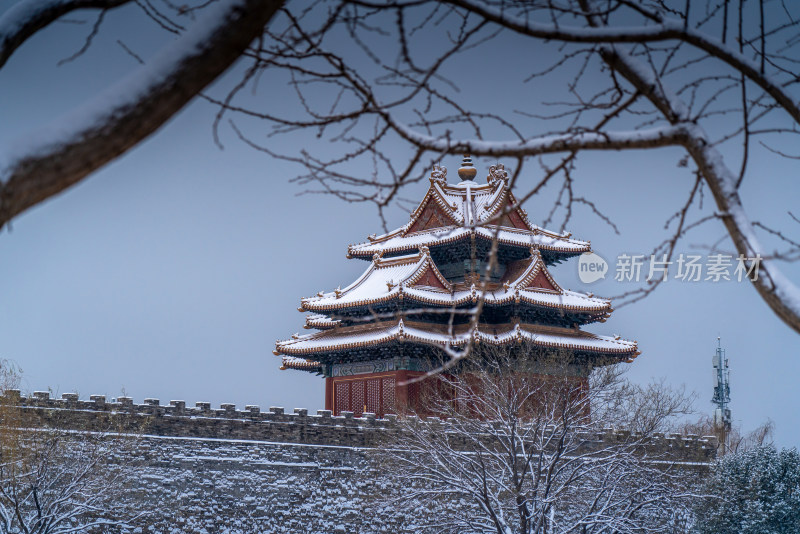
(342, 397)
(374, 395)
(357, 406)
(388, 396)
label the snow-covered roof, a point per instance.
(381, 333)
(449, 213)
(416, 277)
(302, 364)
(320, 321)
(383, 280)
(403, 270)
(398, 241)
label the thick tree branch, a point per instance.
(133, 109)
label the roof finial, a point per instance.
(497, 173)
(439, 174)
(467, 171)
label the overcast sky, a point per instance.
(171, 272)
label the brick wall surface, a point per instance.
(203, 470)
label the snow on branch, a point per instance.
(25, 18)
(128, 112)
(650, 138)
(780, 294)
(639, 75)
(663, 30)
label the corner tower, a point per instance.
(414, 299)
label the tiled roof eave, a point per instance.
(416, 334)
(631, 352)
(506, 339)
(449, 300)
(292, 362)
(583, 246)
(315, 307)
(322, 324)
(364, 252)
(368, 249)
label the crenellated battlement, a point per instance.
(178, 408)
(176, 419)
(276, 425)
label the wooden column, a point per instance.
(329, 393)
(401, 392)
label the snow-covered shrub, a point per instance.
(752, 492)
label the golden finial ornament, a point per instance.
(467, 171)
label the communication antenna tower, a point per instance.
(722, 393)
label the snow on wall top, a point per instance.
(251, 426)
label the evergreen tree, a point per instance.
(752, 492)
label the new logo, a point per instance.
(591, 267)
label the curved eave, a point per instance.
(359, 337)
(300, 364)
(408, 271)
(322, 322)
(326, 305)
(412, 241)
(507, 236)
(432, 297)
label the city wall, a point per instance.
(200, 470)
(275, 425)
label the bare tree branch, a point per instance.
(133, 110)
(24, 19)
